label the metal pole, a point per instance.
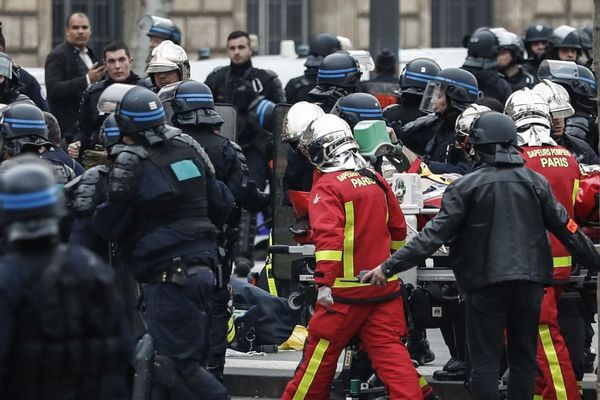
(384, 26)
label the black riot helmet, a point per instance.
(511, 42)
(136, 108)
(23, 128)
(10, 71)
(31, 203)
(110, 133)
(191, 103)
(339, 69)
(161, 27)
(320, 47)
(564, 36)
(494, 138)
(357, 107)
(482, 49)
(260, 114)
(537, 33)
(577, 79)
(460, 86)
(416, 74)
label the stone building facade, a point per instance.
(206, 23)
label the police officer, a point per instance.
(161, 29)
(447, 95)
(339, 75)
(511, 53)
(320, 47)
(61, 321)
(9, 82)
(482, 60)
(564, 44)
(580, 84)
(162, 199)
(536, 43)
(23, 130)
(194, 112)
(413, 80)
(497, 269)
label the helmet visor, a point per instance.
(167, 93)
(434, 94)
(112, 97)
(363, 59)
(554, 69)
(6, 67)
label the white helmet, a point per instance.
(531, 114)
(168, 56)
(462, 127)
(297, 119)
(331, 146)
(557, 97)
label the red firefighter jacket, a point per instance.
(355, 226)
(561, 170)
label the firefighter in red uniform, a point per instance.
(356, 222)
(532, 115)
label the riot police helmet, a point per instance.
(166, 57)
(191, 103)
(416, 74)
(10, 71)
(512, 42)
(110, 133)
(493, 128)
(23, 128)
(339, 69)
(31, 203)
(563, 37)
(458, 85)
(261, 113)
(297, 119)
(160, 27)
(537, 33)
(357, 107)
(320, 47)
(482, 49)
(136, 108)
(577, 79)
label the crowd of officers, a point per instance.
(134, 172)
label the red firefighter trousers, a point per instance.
(379, 327)
(556, 380)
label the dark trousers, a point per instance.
(178, 319)
(513, 307)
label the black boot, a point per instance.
(453, 370)
(418, 347)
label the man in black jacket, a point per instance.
(70, 69)
(495, 219)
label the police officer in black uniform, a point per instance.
(320, 47)
(536, 43)
(193, 111)
(482, 59)
(501, 275)
(413, 80)
(511, 53)
(564, 44)
(10, 86)
(162, 200)
(62, 325)
(433, 137)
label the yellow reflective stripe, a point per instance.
(347, 283)
(311, 369)
(349, 241)
(538, 397)
(575, 190)
(328, 255)
(422, 382)
(268, 269)
(397, 244)
(550, 351)
(561, 262)
(230, 330)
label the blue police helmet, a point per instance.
(191, 102)
(357, 107)
(110, 133)
(339, 69)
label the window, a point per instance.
(452, 20)
(276, 20)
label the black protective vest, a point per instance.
(67, 331)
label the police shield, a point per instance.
(283, 214)
(229, 114)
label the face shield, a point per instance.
(434, 97)
(155, 26)
(363, 59)
(167, 96)
(6, 67)
(112, 97)
(554, 69)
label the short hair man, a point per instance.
(70, 69)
